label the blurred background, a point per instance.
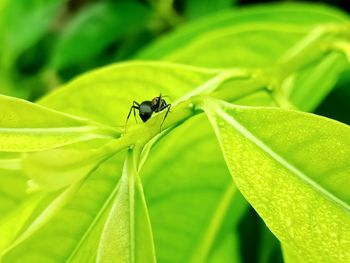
(45, 43)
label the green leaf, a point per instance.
(249, 45)
(30, 216)
(127, 234)
(22, 24)
(289, 256)
(243, 21)
(72, 233)
(293, 168)
(199, 8)
(96, 89)
(91, 205)
(226, 250)
(106, 95)
(260, 37)
(56, 168)
(26, 127)
(96, 27)
(13, 222)
(122, 83)
(85, 95)
(13, 182)
(191, 200)
(310, 86)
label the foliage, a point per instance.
(77, 185)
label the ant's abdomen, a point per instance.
(145, 110)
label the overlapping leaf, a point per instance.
(245, 20)
(27, 127)
(103, 96)
(259, 36)
(127, 234)
(191, 201)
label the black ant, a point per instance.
(146, 109)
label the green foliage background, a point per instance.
(196, 212)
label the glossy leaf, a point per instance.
(313, 84)
(22, 23)
(106, 95)
(26, 127)
(71, 163)
(13, 182)
(33, 213)
(293, 168)
(260, 37)
(74, 231)
(94, 200)
(296, 14)
(127, 234)
(190, 196)
(96, 27)
(56, 168)
(89, 92)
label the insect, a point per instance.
(146, 109)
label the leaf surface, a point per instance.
(127, 234)
(297, 14)
(92, 96)
(13, 182)
(190, 197)
(294, 169)
(106, 95)
(56, 168)
(26, 127)
(311, 86)
(74, 231)
(259, 37)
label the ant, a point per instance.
(146, 109)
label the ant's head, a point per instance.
(155, 101)
(158, 102)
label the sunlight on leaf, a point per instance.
(127, 234)
(106, 95)
(296, 14)
(73, 232)
(190, 195)
(56, 168)
(293, 168)
(26, 127)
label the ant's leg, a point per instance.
(166, 114)
(159, 102)
(133, 107)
